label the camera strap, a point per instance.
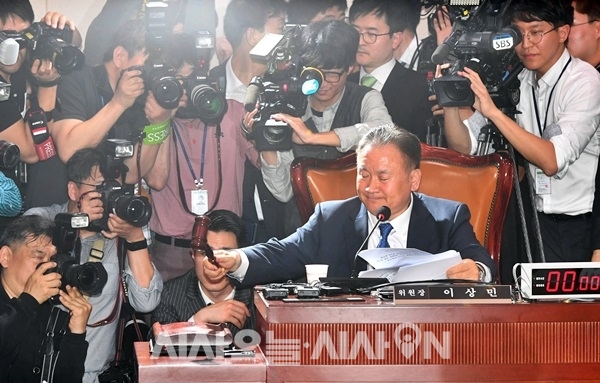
(535, 105)
(96, 255)
(49, 356)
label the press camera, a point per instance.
(283, 89)
(46, 43)
(9, 155)
(481, 40)
(119, 198)
(90, 277)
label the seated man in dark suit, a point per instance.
(381, 24)
(194, 297)
(388, 160)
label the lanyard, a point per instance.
(200, 183)
(535, 106)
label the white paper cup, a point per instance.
(314, 272)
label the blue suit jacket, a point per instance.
(335, 231)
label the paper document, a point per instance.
(404, 265)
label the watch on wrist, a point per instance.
(135, 246)
(481, 271)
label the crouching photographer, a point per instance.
(27, 354)
(120, 246)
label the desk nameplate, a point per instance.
(452, 293)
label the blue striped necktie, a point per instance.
(385, 229)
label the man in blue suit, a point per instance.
(388, 160)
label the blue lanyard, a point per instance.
(200, 183)
(535, 106)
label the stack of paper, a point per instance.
(405, 265)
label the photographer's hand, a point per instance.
(154, 112)
(57, 20)
(79, 309)
(43, 286)
(442, 25)
(129, 87)
(483, 100)
(91, 204)
(248, 120)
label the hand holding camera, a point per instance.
(79, 309)
(154, 112)
(43, 284)
(129, 88)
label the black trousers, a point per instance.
(566, 239)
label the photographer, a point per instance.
(556, 128)
(206, 162)
(144, 284)
(17, 16)
(100, 102)
(336, 117)
(25, 251)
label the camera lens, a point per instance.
(167, 92)
(90, 278)
(67, 59)
(275, 134)
(9, 155)
(134, 209)
(210, 105)
(458, 90)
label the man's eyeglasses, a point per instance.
(587, 22)
(370, 37)
(535, 37)
(92, 185)
(331, 76)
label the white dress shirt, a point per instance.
(409, 53)
(381, 74)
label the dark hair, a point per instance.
(80, 165)
(131, 35)
(303, 11)
(555, 12)
(12, 8)
(400, 15)
(591, 8)
(25, 229)
(179, 48)
(244, 14)
(329, 44)
(407, 143)
(227, 221)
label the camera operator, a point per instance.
(144, 284)
(25, 312)
(15, 17)
(100, 102)
(555, 130)
(336, 117)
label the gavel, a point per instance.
(199, 242)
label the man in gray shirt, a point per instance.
(143, 282)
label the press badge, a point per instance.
(199, 201)
(542, 183)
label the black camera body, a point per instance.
(117, 197)
(90, 277)
(482, 41)
(9, 155)
(162, 81)
(47, 43)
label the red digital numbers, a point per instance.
(566, 281)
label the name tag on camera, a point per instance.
(199, 201)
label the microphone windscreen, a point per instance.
(252, 94)
(383, 213)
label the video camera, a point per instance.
(90, 277)
(46, 43)
(481, 41)
(117, 197)
(9, 156)
(283, 89)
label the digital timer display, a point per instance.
(580, 281)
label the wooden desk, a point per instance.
(198, 369)
(372, 341)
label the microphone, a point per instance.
(254, 90)
(382, 214)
